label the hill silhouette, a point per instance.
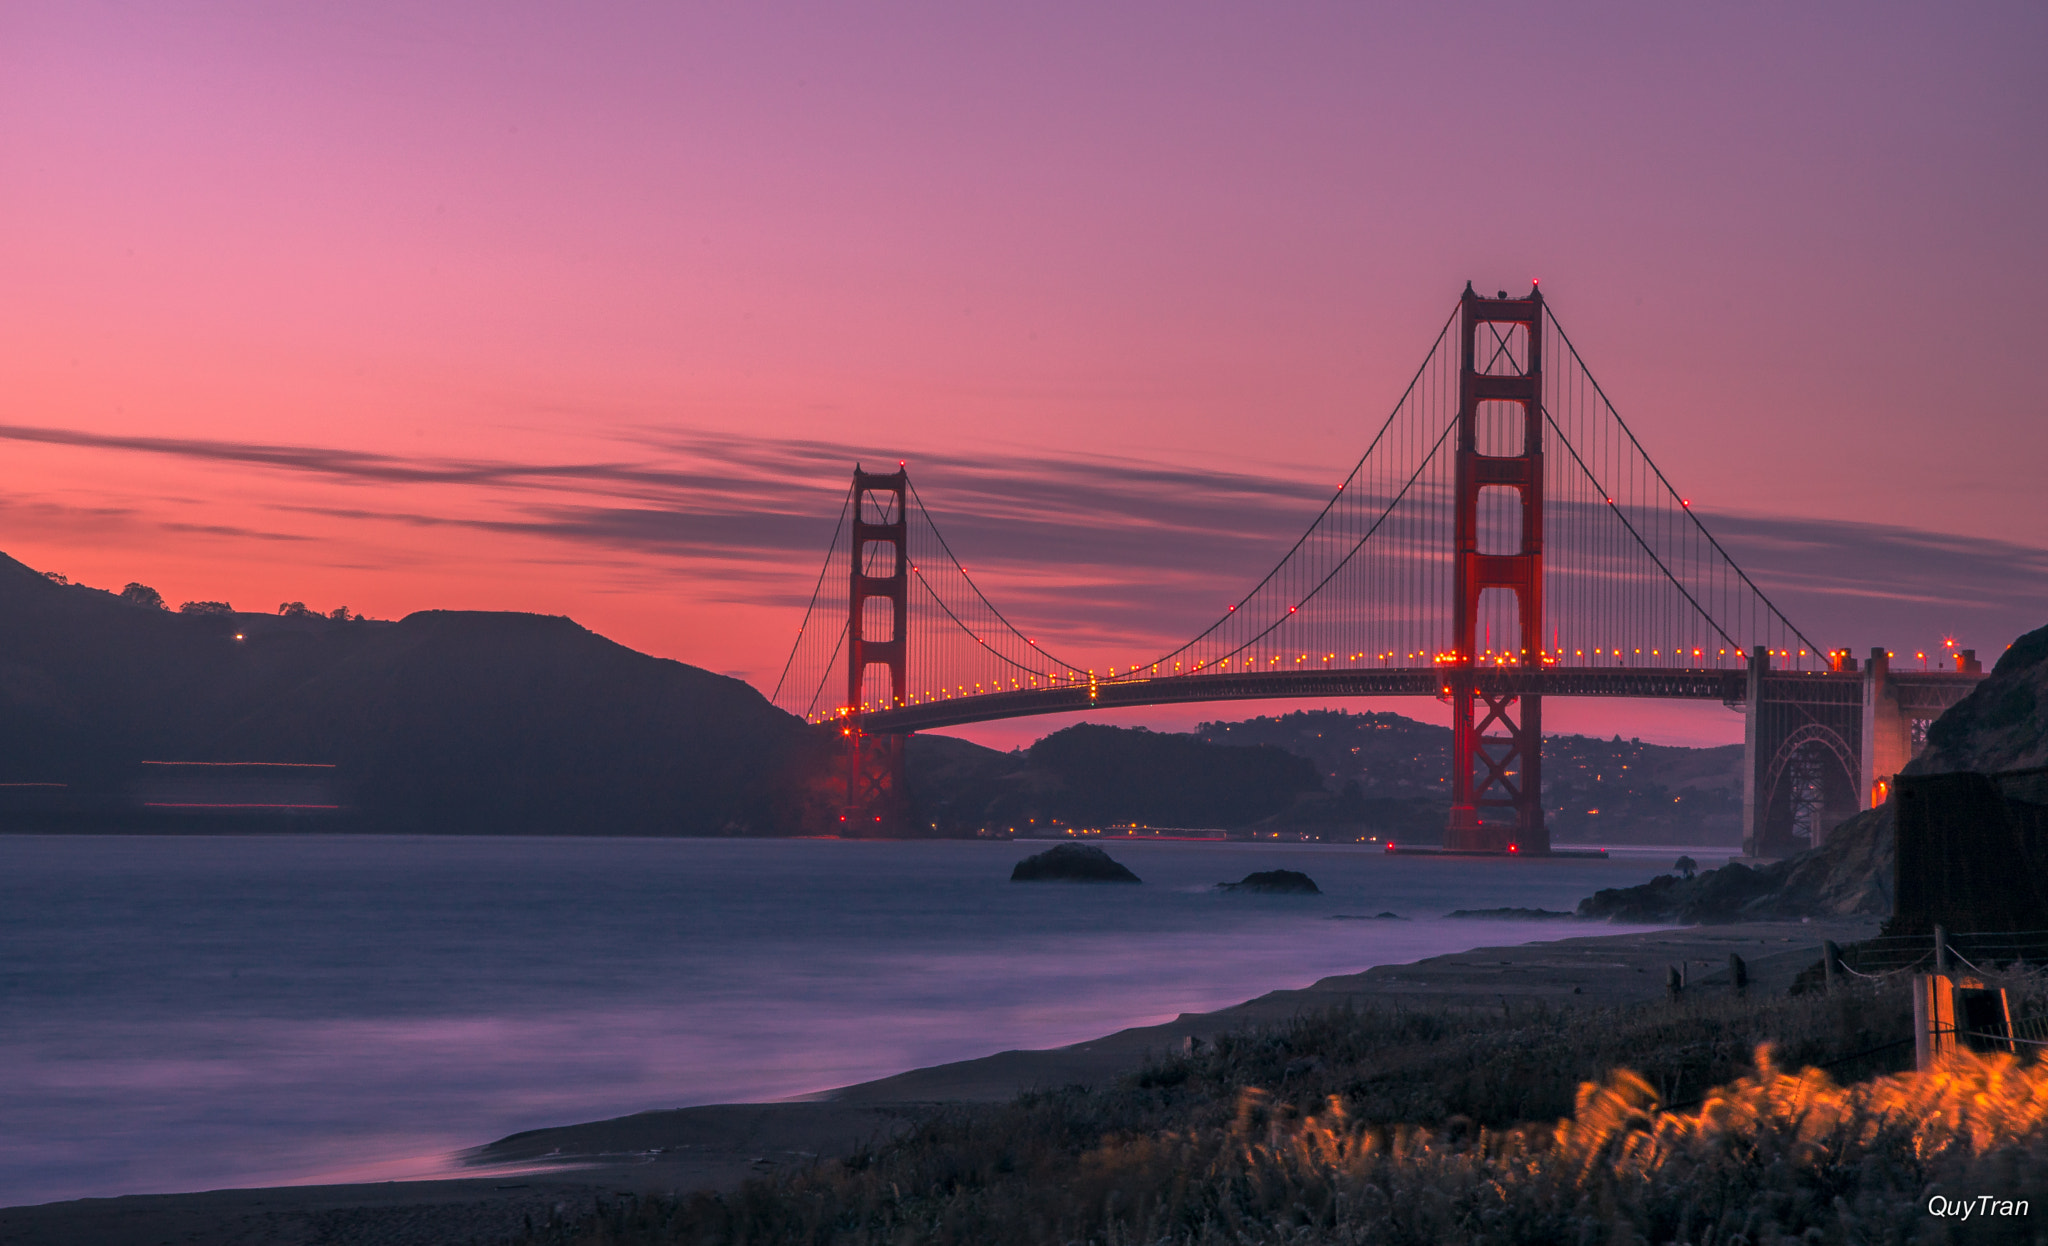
(1090, 775)
(444, 721)
(1390, 773)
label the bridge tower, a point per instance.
(1500, 446)
(876, 800)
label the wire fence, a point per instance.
(1886, 957)
(2014, 962)
(1986, 951)
(1994, 957)
(1978, 951)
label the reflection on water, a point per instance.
(197, 1012)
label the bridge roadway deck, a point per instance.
(1674, 683)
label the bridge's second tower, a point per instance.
(878, 599)
(1496, 742)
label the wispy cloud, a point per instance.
(232, 532)
(1147, 550)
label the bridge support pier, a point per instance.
(877, 801)
(1500, 447)
(1752, 698)
(1887, 733)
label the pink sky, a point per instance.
(584, 311)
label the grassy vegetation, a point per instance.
(1416, 1126)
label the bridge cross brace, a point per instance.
(1510, 747)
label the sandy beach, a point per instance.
(531, 1174)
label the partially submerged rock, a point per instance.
(1515, 915)
(1072, 863)
(1360, 917)
(1275, 882)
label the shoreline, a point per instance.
(665, 1151)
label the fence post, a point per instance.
(1674, 982)
(1829, 954)
(1926, 1021)
(1941, 949)
(1738, 973)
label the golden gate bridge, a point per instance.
(1504, 537)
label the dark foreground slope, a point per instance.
(2001, 725)
(443, 721)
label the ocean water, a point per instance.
(188, 1013)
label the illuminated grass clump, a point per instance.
(1415, 1126)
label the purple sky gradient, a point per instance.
(585, 311)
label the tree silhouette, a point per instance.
(143, 595)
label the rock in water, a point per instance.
(1072, 863)
(1276, 882)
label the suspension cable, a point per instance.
(1000, 616)
(1310, 531)
(816, 589)
(1697, 523)
(826, 674)
(998, 654)
(1617, 513)
(1348, 556)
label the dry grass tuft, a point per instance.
(1391, 1127)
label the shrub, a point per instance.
(137, 594)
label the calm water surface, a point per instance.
(194, 1012)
